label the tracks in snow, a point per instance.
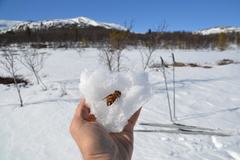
(183, 129)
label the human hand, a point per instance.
(95, 143)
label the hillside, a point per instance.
(217, 30)
(7, 25)
(57, 23)
(69, 33)
(4, 24)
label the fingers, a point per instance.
(79, 118)
(135, 116)
(82, 111)
(132, 121)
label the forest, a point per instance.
(71, 36)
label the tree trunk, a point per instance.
(18, 90)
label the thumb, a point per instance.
(135, 116)
(132, 121)
(82, 111)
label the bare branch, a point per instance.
(107, 57)
(130, 25)
(34, 61)
(152, 44)
(9, 64)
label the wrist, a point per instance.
(100, 157)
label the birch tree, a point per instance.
(111, 54)
(152, 44)
(9, 64)
(34, 61)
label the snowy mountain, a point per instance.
(7, 24)
(217, 30)
(57, 23)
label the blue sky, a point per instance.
(187, 15)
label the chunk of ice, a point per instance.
(135, 90)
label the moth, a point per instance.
(111, 98)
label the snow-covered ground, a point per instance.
(204, 97)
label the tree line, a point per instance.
(74, 36)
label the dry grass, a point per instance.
(225, 62)
(207, 67)
(180, 64)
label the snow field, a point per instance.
(204, 97)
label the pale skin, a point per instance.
(95, 143)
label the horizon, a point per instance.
(178, 15)
(119, 24)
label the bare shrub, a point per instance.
(9, 64)
(63, 89)
(111, 54)
(107, 57)
(152, 44)
(34, 61)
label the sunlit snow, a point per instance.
(96, 84)
(6, 25)
(204, 97)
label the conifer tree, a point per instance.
(28, 33)
(149, 31)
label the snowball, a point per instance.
(135, 90)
